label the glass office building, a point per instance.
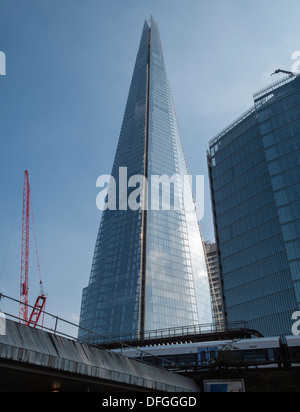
(254, 169)
(215, 281)
(149, 269)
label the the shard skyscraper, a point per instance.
(149, 269)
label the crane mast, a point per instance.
(40, 303)
(25, 251)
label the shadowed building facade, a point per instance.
(215, 281)
(254, 168)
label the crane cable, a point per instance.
(36, 249)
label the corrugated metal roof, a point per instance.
(26, 344)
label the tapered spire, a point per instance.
(149, 269)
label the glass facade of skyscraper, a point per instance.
(215, 281)
(149, 268)
(255, 184)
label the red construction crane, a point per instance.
(40, 303)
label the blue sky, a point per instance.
(69, 67)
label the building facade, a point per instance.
(215, 282)
(254, 168)
(148, 270)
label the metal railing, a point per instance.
(94, 336)
(235, 123)
(57, 326)
(183, 331)
(274, 86)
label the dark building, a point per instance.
(254, 167)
